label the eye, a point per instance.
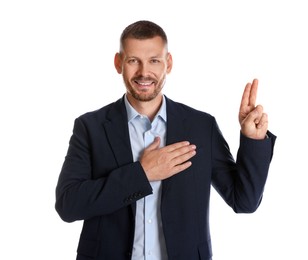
(132, 61)
(155, 61)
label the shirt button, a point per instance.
(149, 252)
(149, 221)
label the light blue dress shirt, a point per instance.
(149, 241)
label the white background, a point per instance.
(56, 62)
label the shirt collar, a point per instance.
(132, 113)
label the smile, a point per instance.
(145, 84)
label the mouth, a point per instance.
(144, 83)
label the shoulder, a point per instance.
(186, 111)
(105, 112)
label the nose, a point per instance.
(143, 69)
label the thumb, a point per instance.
(255, 115)
(155, 144)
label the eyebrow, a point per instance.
(152, 57)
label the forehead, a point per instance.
(149, 47)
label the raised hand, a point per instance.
(253, 121)
(162, 163)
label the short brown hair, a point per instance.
(142, 30)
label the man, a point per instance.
(139, 171)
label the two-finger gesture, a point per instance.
(253, 121)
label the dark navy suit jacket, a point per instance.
(99, 182)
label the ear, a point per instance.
(169, 62)
(118, 62)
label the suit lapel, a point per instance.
(116, 128)
(117, 131)
(177, 130)
(176, 123)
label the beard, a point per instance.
(145, 95)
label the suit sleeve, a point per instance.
(241, 183)
(79, 196)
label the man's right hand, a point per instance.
(162, 163)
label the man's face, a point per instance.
(144, 65)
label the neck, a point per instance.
(147, 108)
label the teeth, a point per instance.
(145, 84)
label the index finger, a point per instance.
(250, 94)
(174, 146)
